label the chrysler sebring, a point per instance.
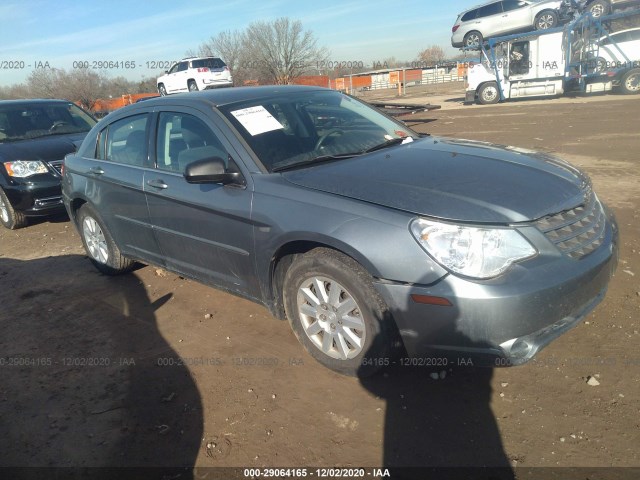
(372, 240)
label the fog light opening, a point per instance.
(520, 349)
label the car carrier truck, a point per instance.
(553, 62)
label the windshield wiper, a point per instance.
(388, 143)
(314, 160)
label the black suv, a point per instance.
(35, 136)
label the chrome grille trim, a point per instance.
(57, 165)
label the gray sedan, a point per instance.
(378, 244)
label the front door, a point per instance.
(204, 230)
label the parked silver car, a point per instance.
(500, 17)
(367, 236)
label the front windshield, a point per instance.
(24, 121)
(300, 128)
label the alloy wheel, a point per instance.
(331, 318)
(95, 240)
(545, 21)
(4, 211)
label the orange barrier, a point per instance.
(313, 80)
(110, 104)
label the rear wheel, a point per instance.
(99, 244)
(336, 313)
(9, 217)
(488, 93)
(630, 82)
(545, 20)
(472, 39)
(193, 86)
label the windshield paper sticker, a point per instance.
(257, 120)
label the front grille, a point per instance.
(57, 166)
(576, 232)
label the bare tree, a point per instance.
(81, 85)
(281, 50)
(86, 86)
(432, 55)
(227, 45)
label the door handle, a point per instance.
(96, 171)
(157, 184)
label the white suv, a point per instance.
(193, 74)
(500, 17)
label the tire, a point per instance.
(359, 349)
(488, 94)
(630, 82)
(546, 19)
(99, 244)
(162, 90)
(472, 39)
(599, 8)
(9, 217)
(192, 86)
(600, 65)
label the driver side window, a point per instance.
(183, 139)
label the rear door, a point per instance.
(203, 230)
(490, 18)
(517, 14)
(115, 185)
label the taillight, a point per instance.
(203, 69)
(455, 27)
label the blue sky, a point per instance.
(65, 31)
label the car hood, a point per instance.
(459, 180)
(49, 148)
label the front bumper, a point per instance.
(37, 197)
(503, 321)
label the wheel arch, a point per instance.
(74, 206)
(283, 257)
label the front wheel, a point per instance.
(545, 20)
(336, 313)
(630, 82)
(162, 90)
(488, 93)
(99, 244)
(9, 217)
(599, 8)
(193, 86)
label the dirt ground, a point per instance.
(151, 369)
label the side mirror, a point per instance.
(209, 170)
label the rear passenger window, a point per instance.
(183, 139)
(508, 5)
(126, 141)
(470, 15)
(491, 9)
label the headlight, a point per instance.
(474, 252)
(25, 168)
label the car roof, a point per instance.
(494, 1)
(225, 96)
(34, 101)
